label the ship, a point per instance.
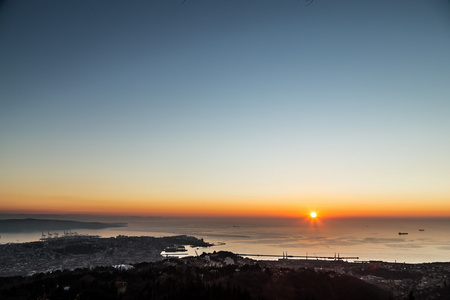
(175, 248)
(402, 233)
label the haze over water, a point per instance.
(366, 238)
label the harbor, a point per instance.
(305, 257)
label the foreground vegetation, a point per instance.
(187, 279)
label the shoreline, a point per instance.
(78, 251)
(370, 241)
(78, 255)
(190, 251)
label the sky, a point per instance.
(258, 108)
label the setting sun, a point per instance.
(313, 214)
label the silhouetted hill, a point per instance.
(30, 225)
(177, 279)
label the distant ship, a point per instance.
(402, 233)
(421, 229)
(175, 248)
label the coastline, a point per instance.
(368, 239)
(88, 255)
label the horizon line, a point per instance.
(94, 214)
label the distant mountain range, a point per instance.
(31, 225)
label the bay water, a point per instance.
(427, 239)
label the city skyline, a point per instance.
(260, 108)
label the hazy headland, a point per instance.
(46, 225)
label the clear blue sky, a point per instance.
(222, 100)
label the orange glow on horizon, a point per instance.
(221, 206)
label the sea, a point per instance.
(422, 240)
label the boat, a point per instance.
(175, 248)
(421, 229)
(402, 233)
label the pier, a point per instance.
(306, 257)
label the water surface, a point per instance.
(366, 238)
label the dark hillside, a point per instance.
(176, 279)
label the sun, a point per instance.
(313, 219)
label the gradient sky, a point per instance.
(225, 107)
